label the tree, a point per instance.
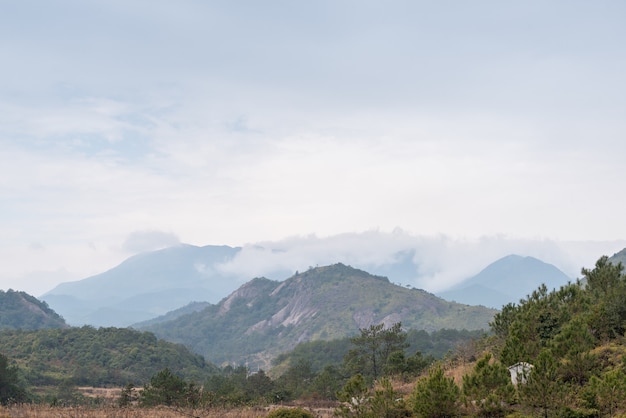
(607, 286)
(128, 395)
(290, 413)
(608, 391)
(387, 403)
(166, 388)
(373, 348)
(543, 388)
(436, 396)
(297, 378)
(489, 388)
(354, 397)
(327, 383)
(10, 388)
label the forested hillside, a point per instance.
(567, 344)
(97, 357)
(19, 310)
(320, 353)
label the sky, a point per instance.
(129, 126)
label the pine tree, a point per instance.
(436, 396)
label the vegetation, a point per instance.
(290, 413)
(436, 396)
(11, 389)
(97, 357)
(19, 310)
(568, 336)
(422, 349)
(265, 318)
(568, 346)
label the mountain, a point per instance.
(176, 313)
(264, 318)
(506, 280)
(619, 257)
(19, 310)
(145, 286)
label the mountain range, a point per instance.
(264, 317)
(153, 283)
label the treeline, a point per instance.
(376, 353)
(320, 353)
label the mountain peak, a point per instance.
(506, 280)
(325, 302)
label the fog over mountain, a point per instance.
(153, 283)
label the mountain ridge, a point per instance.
(264, 317)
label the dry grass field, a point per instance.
(42, 411)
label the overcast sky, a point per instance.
(125, 126)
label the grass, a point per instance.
(44, 411)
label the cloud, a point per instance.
(440, 261)
(141, 241)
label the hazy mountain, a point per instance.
(506, 280)
(145, 286)
(152, 284)
(619, 257)
(264, 317)
(19, 310)
(170, 316)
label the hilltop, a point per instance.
(264, 318)
(19, 310)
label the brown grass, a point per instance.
(43, 411)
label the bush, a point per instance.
(290, 413)
(436, 396)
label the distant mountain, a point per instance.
(145, 286)
(619, 257)
(170, 316)
(19, 310)
(264, 318)
(506, 280)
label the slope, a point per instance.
(98, 357)
(506, 280)
(19, 310)
(144, 286)
(619, 257)
(264, 318)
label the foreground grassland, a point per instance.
(41, 411)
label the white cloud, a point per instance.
(233, 123)
(141, 241)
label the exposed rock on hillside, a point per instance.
(264, 317)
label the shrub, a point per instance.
(290, 413)
(436, 396)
